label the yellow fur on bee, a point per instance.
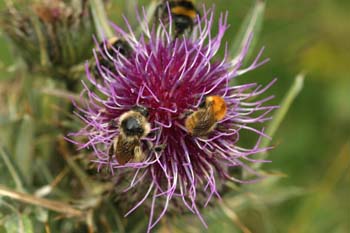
(179, 10)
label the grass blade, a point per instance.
(252, 23)
(285, 105)
(100, 19)
(287, 101)
(24, 147)
(13, 171)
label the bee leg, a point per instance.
(153, 133)
(190, 29)
(138, 154)
(160, 148)
(149, 145)
(111, 154)
(212, 128)
(222, 128)
(157, 149)
(113, 124)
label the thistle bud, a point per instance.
(52, 37)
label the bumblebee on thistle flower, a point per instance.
(194, 114)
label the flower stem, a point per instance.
(48, 204)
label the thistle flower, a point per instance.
(169, 77)
(51, 36)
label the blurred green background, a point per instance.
(313, 142)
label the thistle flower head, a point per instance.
(51, 36)
(171, 77)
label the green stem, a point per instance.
(100, 20)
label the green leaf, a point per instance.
(251, 26)
(24, 147)
(28, 226)
(19, 223)
(41, 214)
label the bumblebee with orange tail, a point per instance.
(203, 121)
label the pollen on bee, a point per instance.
(219, 106)
(112, 40)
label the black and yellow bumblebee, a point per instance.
(183, 12)
(133, 126)
(111, 48)
(115, 46)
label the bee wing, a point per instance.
(205, 123)
(125, 149)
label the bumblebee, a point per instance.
(114, 46)
(183, 13)
(133, 125)
(203, 121)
